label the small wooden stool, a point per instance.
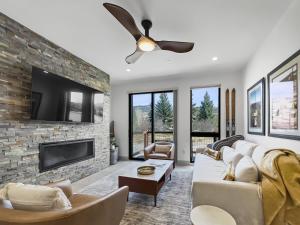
(211, 215)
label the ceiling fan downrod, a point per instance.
(147, 24)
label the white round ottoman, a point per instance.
(211, 215)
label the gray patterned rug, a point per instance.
(173, 201)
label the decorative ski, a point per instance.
(233, 111)
(227, 113)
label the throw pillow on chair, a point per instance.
(162, 149)
(34, 197)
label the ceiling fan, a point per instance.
(144, 43)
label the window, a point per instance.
(151, 119)
(75, 112)
(205, 117)
(98, 107)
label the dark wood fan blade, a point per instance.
(134, 56)
(175, 46)
(124, 18)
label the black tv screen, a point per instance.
(55, 98)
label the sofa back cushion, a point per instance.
(258, 155)
(230, 155)
(244, 147)
(246, 170)
(34, 197)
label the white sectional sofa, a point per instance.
(242, 200)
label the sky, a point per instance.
(255, 95)
(145, 99)
(282, 90)
(198, 95)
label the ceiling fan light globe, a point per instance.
(145, 44)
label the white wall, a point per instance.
(282, 42)
(120, 104)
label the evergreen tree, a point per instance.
(206, 108)
(134, 120)
(150, 116)
(163, 110)
(195, 109)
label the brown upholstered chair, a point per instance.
(159, 150)
(86, 210)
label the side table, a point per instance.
(211, 215)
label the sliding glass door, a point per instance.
(205, 117)
(151, 119)
(140, 122)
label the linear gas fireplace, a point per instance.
(57, 154)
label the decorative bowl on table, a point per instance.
(146, 170)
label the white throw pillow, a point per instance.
(165, 149)
(226, 148)
(246, 170)
(244, 147)
(35, 197)
(229, 155)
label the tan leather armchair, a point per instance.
(152, 151)
(86, 210)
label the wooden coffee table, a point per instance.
(148, 184)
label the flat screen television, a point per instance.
(55, 98)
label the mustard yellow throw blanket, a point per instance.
(281, 187)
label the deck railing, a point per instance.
(141, 140)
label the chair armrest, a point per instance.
(64, 185)
(148, 150)
(242, 200)
(171, 152)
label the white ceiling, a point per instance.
(229, 29)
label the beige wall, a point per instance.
(282, 42)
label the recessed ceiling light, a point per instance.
(215, 58)
(45, 71)
(128, 70)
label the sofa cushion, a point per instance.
(35, 197)
(162, 148)
(244, 147)
(206, 168)
(246, 170)
(230, 155)
(258, 155)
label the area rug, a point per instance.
(173, 201)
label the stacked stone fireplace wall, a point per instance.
(20, 49)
